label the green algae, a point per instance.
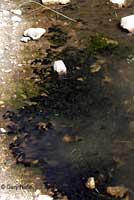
(101, 44)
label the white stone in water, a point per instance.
(16, 19)
(16, 12)
(49, 2)
(44, 197)
(25, 39)
(60, 67)
(128, 23)
(119, 2)
(34, 33)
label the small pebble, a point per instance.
(16, 12)
(67, 138)
(37, 192)
(25, 39)
(2, 102)
(6, 13)
(95, 68)
(16, 19)
(117, 191)
(91, 183)
(44, 197)
(2, 130)
(9, 70)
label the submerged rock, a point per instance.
(60, 67)
(68, 138)
(44, 126)
(128, 23)
(120, 3)
(48, 2)
(34, 33)
(95, 68)
(117, 191)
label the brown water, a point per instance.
(96, 113)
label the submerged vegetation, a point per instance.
(102, 44)
(57, 37)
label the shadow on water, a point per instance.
(73, 129)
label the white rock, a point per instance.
(128, 23)
(16, 19)
(49, 2)
(2, 130)
(16, 12)
(44, 197)
(119, 2)
(34, 33)
(60, 67)
(25, 39)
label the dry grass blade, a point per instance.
(48, 8)
(35, 10)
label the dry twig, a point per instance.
(48, 8)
